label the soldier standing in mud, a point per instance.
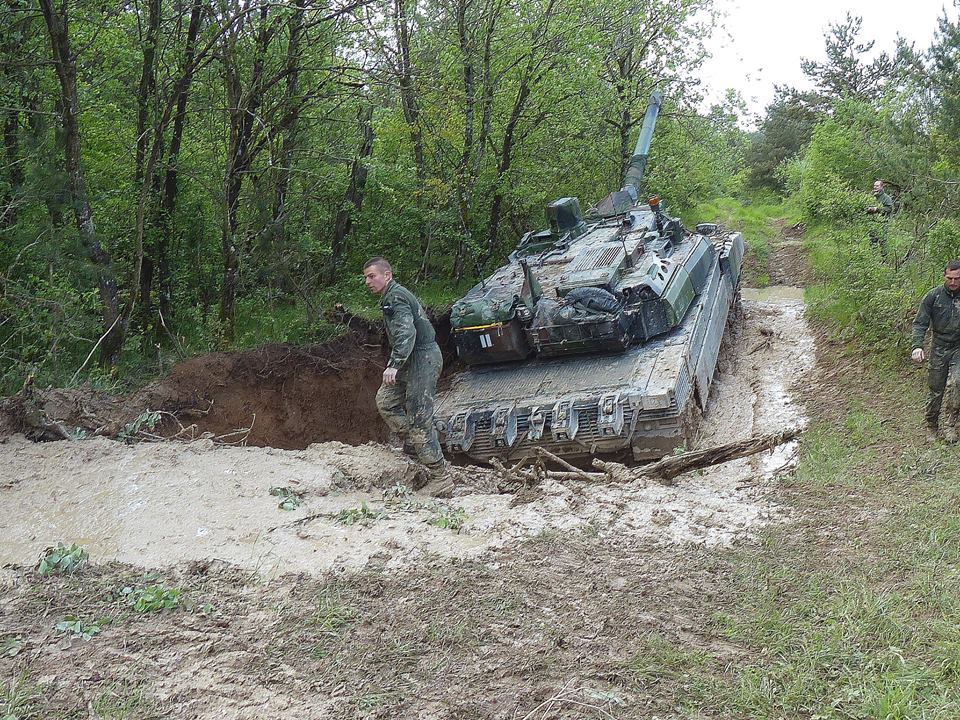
(940, 311)
(405, 399)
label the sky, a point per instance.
(764, 40)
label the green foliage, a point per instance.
(78, 627)
(148, 419)
(290, 499)
(19, 699)
(152, 598)
(62, 560)
(449, 518)
(351, 516)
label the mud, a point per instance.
(157, 504)
(540, 604)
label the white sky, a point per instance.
(765, 39)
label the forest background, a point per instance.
(179, 176)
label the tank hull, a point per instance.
(639, 403)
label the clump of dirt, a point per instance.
(283, 396)
(288, 396)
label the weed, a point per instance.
(62, 560)
(351, 516)
(448, 518)
(289, 499)
(78, 627)
(151, 598)
(18, 699)
(329, 619)
(126, 700)
(148, 419)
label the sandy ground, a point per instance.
(156, 504)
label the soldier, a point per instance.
(405, 399)
(884, 210)
(940, 311)
(885, 207)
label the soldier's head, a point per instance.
(377, 274)
(878, 187)
(951, 276)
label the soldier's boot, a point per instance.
(932, 433)
(399, 441)
(439, 484)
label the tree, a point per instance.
(846, 73)
(56, 20)
(784, 132)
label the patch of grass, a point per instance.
(290, 499)
(351, 516)
(126, 700)
(62, 560)
(861, 620)
(756, 217)
(659, 659)
(327, 622)
(19, 699)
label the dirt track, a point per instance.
(537, 607)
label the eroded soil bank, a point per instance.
(368, 599)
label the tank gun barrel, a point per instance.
(638, 162)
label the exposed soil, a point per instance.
(549, 604)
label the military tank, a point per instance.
(600, 335)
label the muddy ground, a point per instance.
(368, 599)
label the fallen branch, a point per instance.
(664, 470)
(589, 477)
(673, 465)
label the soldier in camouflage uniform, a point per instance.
(940, 311)
(405, 399)
(878, 237)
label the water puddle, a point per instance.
(773, 294)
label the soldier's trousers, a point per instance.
(944, 380)
(407, 406)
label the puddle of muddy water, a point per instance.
(159, 504)
(773, 294)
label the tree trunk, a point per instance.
(473, 149)
(275, 238)
(65, 64)
(243, 111)
(145, 97)
(353, 197)
(410, 104)
(168, 203)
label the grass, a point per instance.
(19, 699)
(857, 613)
(756, 217)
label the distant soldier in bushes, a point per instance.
(884, 209)
(405, 399)
(940, 311)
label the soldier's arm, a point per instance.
(404, 335)
(922, 321)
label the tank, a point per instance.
(598, 337)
